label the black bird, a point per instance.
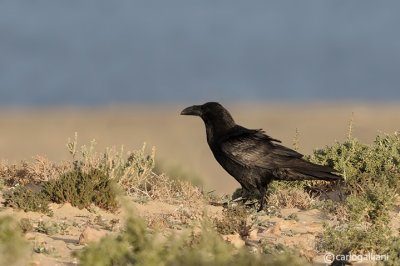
(253, 158)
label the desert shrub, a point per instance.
(25, 225)
(281, 254)
(366, 228)
(347, 157)
(51, 228)
(129, 170)
(14, 174)
(39, 170)
(126, 248)
(13, 247)
(135, 246)
(2, 183)
(291, 198)
(234, 220)
(380, 160)
(90, 178)
(206, 248)
(372, 179)
(76, 187)
(109, 251)
(134, 172)
(393, 253)
(26, 199)
(82, 189)
(171, 190)
(282, 194)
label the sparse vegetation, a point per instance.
(26, 199)
(291, 198)
(203, 247)
(51, 228)
(13, 247)
(234, 221)
(25, 225)
(91, 178)
(359, 210)
(76, 187)
(133, 172)
(372, 175)
(82, 189)
(393, 254)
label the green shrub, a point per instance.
(76, 187)
(109, 251)
(367, 226)
(206, 248)
(372, 181)
(393, 253)
(380, 160)
(83, 189)
(26, 199)
(13, 247)
(124, 249)
(347, 158)
(52, 228)
(135, 246)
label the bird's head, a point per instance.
(207, 110)
(212, 113)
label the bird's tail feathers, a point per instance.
(304, 170)
(327, 176)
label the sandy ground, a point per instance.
(180, 141)
(76, 228)
(80, 227)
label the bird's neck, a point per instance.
(215, 129)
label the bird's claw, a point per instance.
(238, 199)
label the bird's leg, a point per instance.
(263, 192)
(243, 197)
(245, 194)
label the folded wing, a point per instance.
(253, 148)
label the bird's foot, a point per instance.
(250, 202)
(238, 199)
(245, 200)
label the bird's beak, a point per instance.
(192, 110)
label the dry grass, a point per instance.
(291, 198)
(39, 170)
(133, 171)
(170, 190)
(234, 220)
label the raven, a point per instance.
(252, 157)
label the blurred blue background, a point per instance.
(109, 52)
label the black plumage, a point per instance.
(253, 158)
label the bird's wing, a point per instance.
(254, 148)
